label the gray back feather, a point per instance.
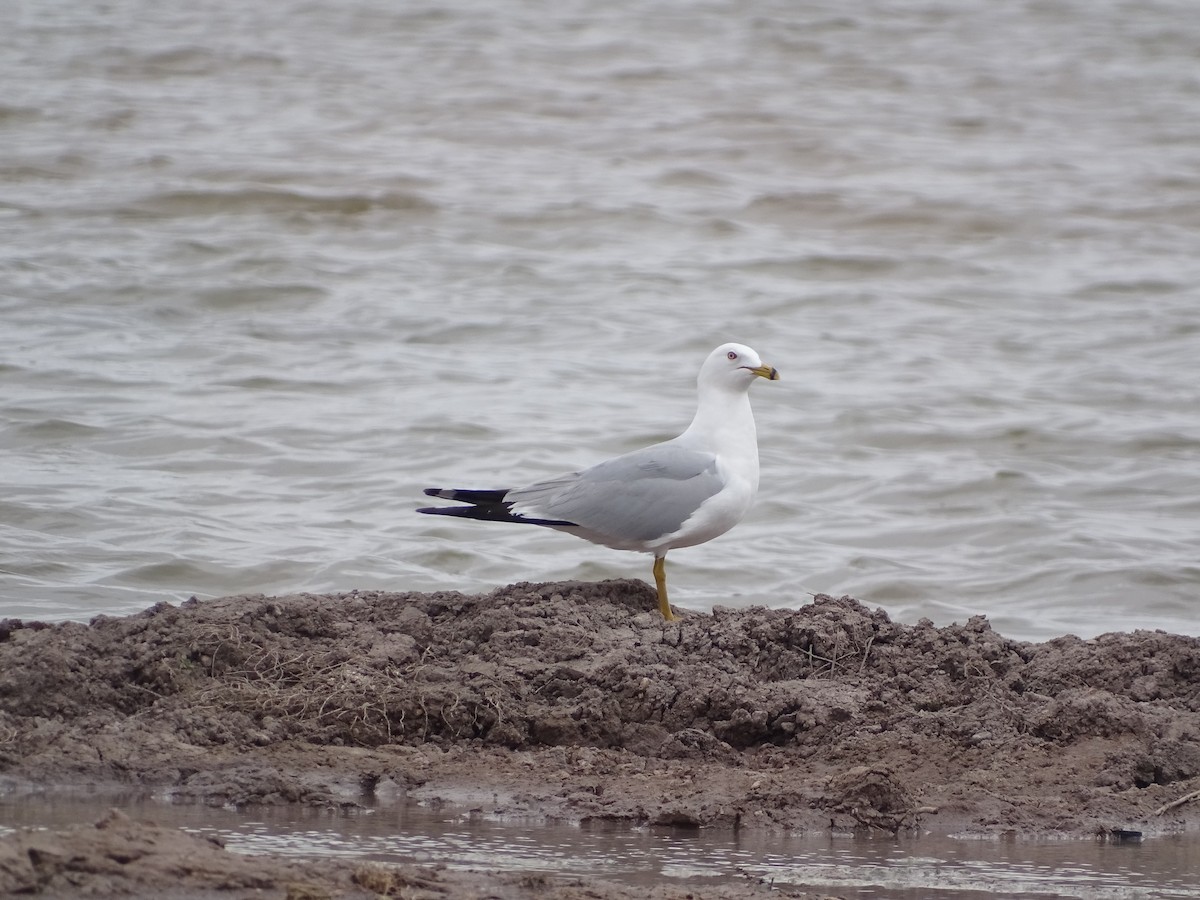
(640, 496)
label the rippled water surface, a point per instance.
(269, 269)
(1161, 868)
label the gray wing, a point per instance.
(640, 496)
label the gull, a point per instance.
(677, 493)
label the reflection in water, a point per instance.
(928, 866)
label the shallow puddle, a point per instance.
(851, 867)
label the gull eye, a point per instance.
(731, 355)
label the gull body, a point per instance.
(677, 493)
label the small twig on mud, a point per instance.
(829, 664)
(387, 723)
(837, 646)
(813, 658)
(1186, 798)
(425, 713)
(866, 653)
(142, 687)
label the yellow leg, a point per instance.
(660, 579)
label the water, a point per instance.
(269, 269)
(855, 868)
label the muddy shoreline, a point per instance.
(575, 702)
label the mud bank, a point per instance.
(576, 702)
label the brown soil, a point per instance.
(576, 702)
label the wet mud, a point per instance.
(576, 702)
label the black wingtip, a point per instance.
(465, 495)
(491, 513)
